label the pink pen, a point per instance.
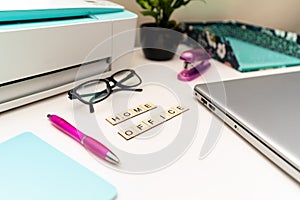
(89, 143)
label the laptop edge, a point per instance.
(204, 98)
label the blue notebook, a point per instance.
(252, 57)
(31, 169)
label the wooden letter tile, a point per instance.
(151, 122)
(115, 119)
(148, 106)
(180, 109)
(154, 121)
(141, 127)
(137, 110)
(172, 112)
(128, 133)
(130, 113)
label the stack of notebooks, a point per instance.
(246, 47)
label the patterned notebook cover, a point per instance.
(246, 47)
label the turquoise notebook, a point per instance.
(31, 169)
(252, 57)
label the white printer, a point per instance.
(45, 42)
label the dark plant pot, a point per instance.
(159, 43)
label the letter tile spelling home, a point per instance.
(121, 117)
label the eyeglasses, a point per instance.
(97, 90)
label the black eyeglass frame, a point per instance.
(109, 88)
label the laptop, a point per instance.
(264, 110)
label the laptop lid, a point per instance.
(263, 109)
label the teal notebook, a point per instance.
(31, 169)
(252, 57)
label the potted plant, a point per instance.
(159, 39)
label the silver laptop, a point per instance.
(264, 110)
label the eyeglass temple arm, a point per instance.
(71, 96)
(97, 94)
(128, 89)
(92, 110)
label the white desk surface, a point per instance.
(233, 170)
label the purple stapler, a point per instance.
(195, 63)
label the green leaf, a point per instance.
(154, 3)
(149, 13)
(144, 4)
(162, 10)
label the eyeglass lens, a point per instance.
(93, 91)
(127, 78)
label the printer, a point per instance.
(44, 43)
